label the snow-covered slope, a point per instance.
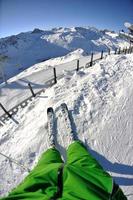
(26, 49)
(38, 75)
(100, 100)
(53, 62)
(87, 38)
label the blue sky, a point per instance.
(24, 15)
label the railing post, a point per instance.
(102, 54)
(119, 51)
(9, 115)
(125, 50)
(109, 52)
(77, 65)
(91, 62)
(130, 49)
(32, 92)
(115, 51)
(55, 77)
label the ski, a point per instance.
(67, 120)
(51, 123)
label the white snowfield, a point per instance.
(126, 35)
(100, 100)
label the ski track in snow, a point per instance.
(100, 101)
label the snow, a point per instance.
(26, 49)
(38, 75)
(78, 53)
(113, 35)
(126, 35)
(100, 101)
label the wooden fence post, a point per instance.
(129, 50)
(77, 65)
(91, 62)
(125, 50)
(109, 52)
(55, 77)
(9, 115)
(119, 51)
(32, 92)
(102, 54)
(115, 51)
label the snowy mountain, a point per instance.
(100, 101)
(26, 49)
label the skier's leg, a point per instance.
(51, 155)
(83, 177)
(85, 165)
(77, 153)
(43, 178)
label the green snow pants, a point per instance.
(80, 178)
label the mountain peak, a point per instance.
(37, 30)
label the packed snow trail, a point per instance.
(100, 102)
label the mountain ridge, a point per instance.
(26, 49)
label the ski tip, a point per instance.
(50, 109)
